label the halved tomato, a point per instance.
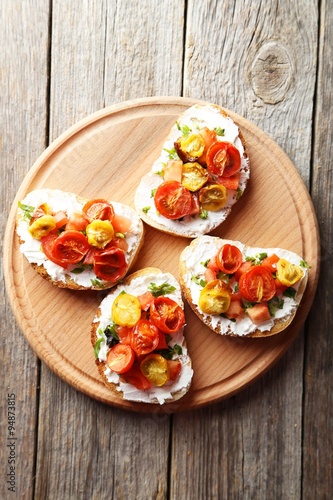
(77, 221)
(213, 197)
(126, 309)
(194, 176)
(167, 315)
(257, 284)
(214, 298)
(190, 147)
(120, 358)
(47, 246)
(287, 273)
(69, 247)
(173, 200)
(231, 182)
(229, 258)
(110, 265)
(209, 136)
(156, 369)
(98, 209)
(175, 368)
(270, 262)
(145, 337)
(223, 158)
(245, 266)
(135, 377)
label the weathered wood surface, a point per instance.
(270, 62)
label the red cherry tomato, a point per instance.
(136, 378)
(120, 358)
(70, 247)
(110, 265)
(98, 209)
(145, 337)
(47, 246)
(229, 259)
(173, 200)
(257, 284)
(167, 315)
(223, 158)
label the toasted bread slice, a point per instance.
(194, 119)
(137, 284)
(76, 276)
(282, 307)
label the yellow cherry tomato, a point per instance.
(194, 176)
(126, 310)
(99, 233)
(42, 226)
(156, 369)
(213, 197)
(190, 147)
(215, 298)
(288, 274)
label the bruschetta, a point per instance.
(138, 339)
(239, 290)
(201, 172)
(78, 243)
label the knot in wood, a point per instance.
(271, 72)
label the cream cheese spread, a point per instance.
(208, 248)
(69, 203)
(162, 394)
(192, 226)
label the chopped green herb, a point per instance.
(257, 258)
(171, 351)
(97, 346)
(304, 264)
(205, 264)
(239, 193)
(158, 290)
(146, 209)
(290, 292)
(236, 288)
(97, 282)
(27, 210)
(111, 335)
(273, 304)
(247, 305)
(219, 130)
(199, 281)
(152, 193)
(203, 214)
(222, 276)
(185, 129)
(172, 153)
(160, 172)
(78, 270)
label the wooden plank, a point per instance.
(318, 401)
(87, 450)
(23, 123)
(246, 57)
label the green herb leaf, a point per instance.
(111, 335)
(158, 290)
(290, 292)
(199, 281)
(203, 214)
(97, 282)
(78, 270)
(172, 153)
(97, 346)
(146, 209)
(27, 210)
(152, 193)
(239, 193)
(247, 305)
(205, 264)
(273, 304)
(171, 351)
(304, 264)
(257, 258)
(219, 130)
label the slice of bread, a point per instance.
(283, 306)
(137, 284)
(193, 119)
(76, 277)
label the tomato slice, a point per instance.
(257, 284)
(190, 147)
(121, 224)
(47, 246)
(146, 299)
(167, 315)
(229, 259)
(110, 265)
(173, 200)
(209, 136)
(98, 209)
(156, 369)
(223, 158)
(135, 377)
(126, 309)
(287, 273)
(69, 247)
(145, 337)
(270, 262)
(231, 182)
(120, 358)
(213, 197)
(194, 176)
(214, 298)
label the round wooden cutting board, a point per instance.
(104, 156)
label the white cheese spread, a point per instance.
(162, 394)
(69, 203)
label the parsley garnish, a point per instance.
(203, 214)
(273, 304)
(172, 153)
(205, 264)
(239, 193)
(219, 130)
(304, 264)
(97, 282)
(199, 281)
(111, 335)
(78, 270)
(290, 292)
(158, 290)
(257, 258)
(152, 192)
(171, 351)
(27, 210)
(97, 346)
(145, 209)
(185, 129)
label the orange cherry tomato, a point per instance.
(173, 200)
(110, 265)
(223, 158)
(120, 358)
(257, 284)
(229, 259)
(145, 337)
(209, 136)
(270, 262)
(98, 209)
(167, 315)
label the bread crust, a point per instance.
(101, 365)
(69, 282)
(280, 324)
(183, 230)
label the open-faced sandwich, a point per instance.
(138, 339)
(77, 243)
(201, 172)
(239, 290)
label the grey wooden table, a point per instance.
(61, 60)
